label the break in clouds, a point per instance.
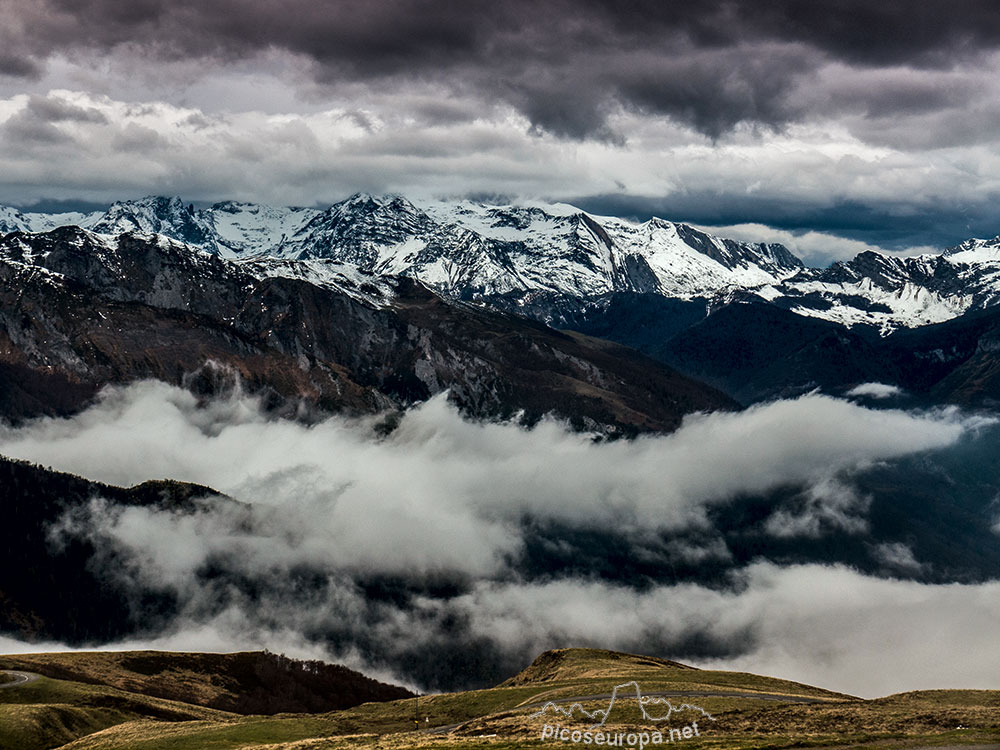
(449, 553)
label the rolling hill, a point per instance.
(735, 709)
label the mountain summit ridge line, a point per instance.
(524, 257)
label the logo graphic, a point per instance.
(653, 708)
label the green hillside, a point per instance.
(744, 710)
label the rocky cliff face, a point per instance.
(683, 297)
(79, 310)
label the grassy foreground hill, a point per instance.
(732, 710)
(244, 683)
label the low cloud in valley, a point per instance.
(411, 555)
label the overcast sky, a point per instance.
(876, 122)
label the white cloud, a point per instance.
(443, 499)
(445, 493)
(875, 390)
(822, 625)
(826, 505)
(424, 144)
(814, 248)
(897, 557)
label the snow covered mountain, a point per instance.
(534, 258)
(80, 310)
(229, 229)
(12, 220)
(748, 319)
(475, 251)
(464, 249)
(542, 259)
(887, 292)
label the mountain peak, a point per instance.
(385, 200)
(513, 256)
(157, 203)
(976, 249)
(158, 214)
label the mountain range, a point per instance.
(82, 310)
(473, 250)
(461, 296)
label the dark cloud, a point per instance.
(897, 91)
(54, 109)
(38, 123)
(27, 130)
(921, 32)
(18, 66)
(136, 138)
(565, 64)
(713, 91)
(891, 226)
(64, 206)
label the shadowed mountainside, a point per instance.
(77, 312)
(51, 588)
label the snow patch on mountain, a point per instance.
(373, 290)
(514, 255)
(13, 220)
(887, 292)
(100, 256)
(245, 229)
(975, 251)
(474, 250)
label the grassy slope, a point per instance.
(47, 713)
(245, 683)
(924, 718)
(564, 668)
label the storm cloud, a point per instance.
(873, 124)
(565, 65)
